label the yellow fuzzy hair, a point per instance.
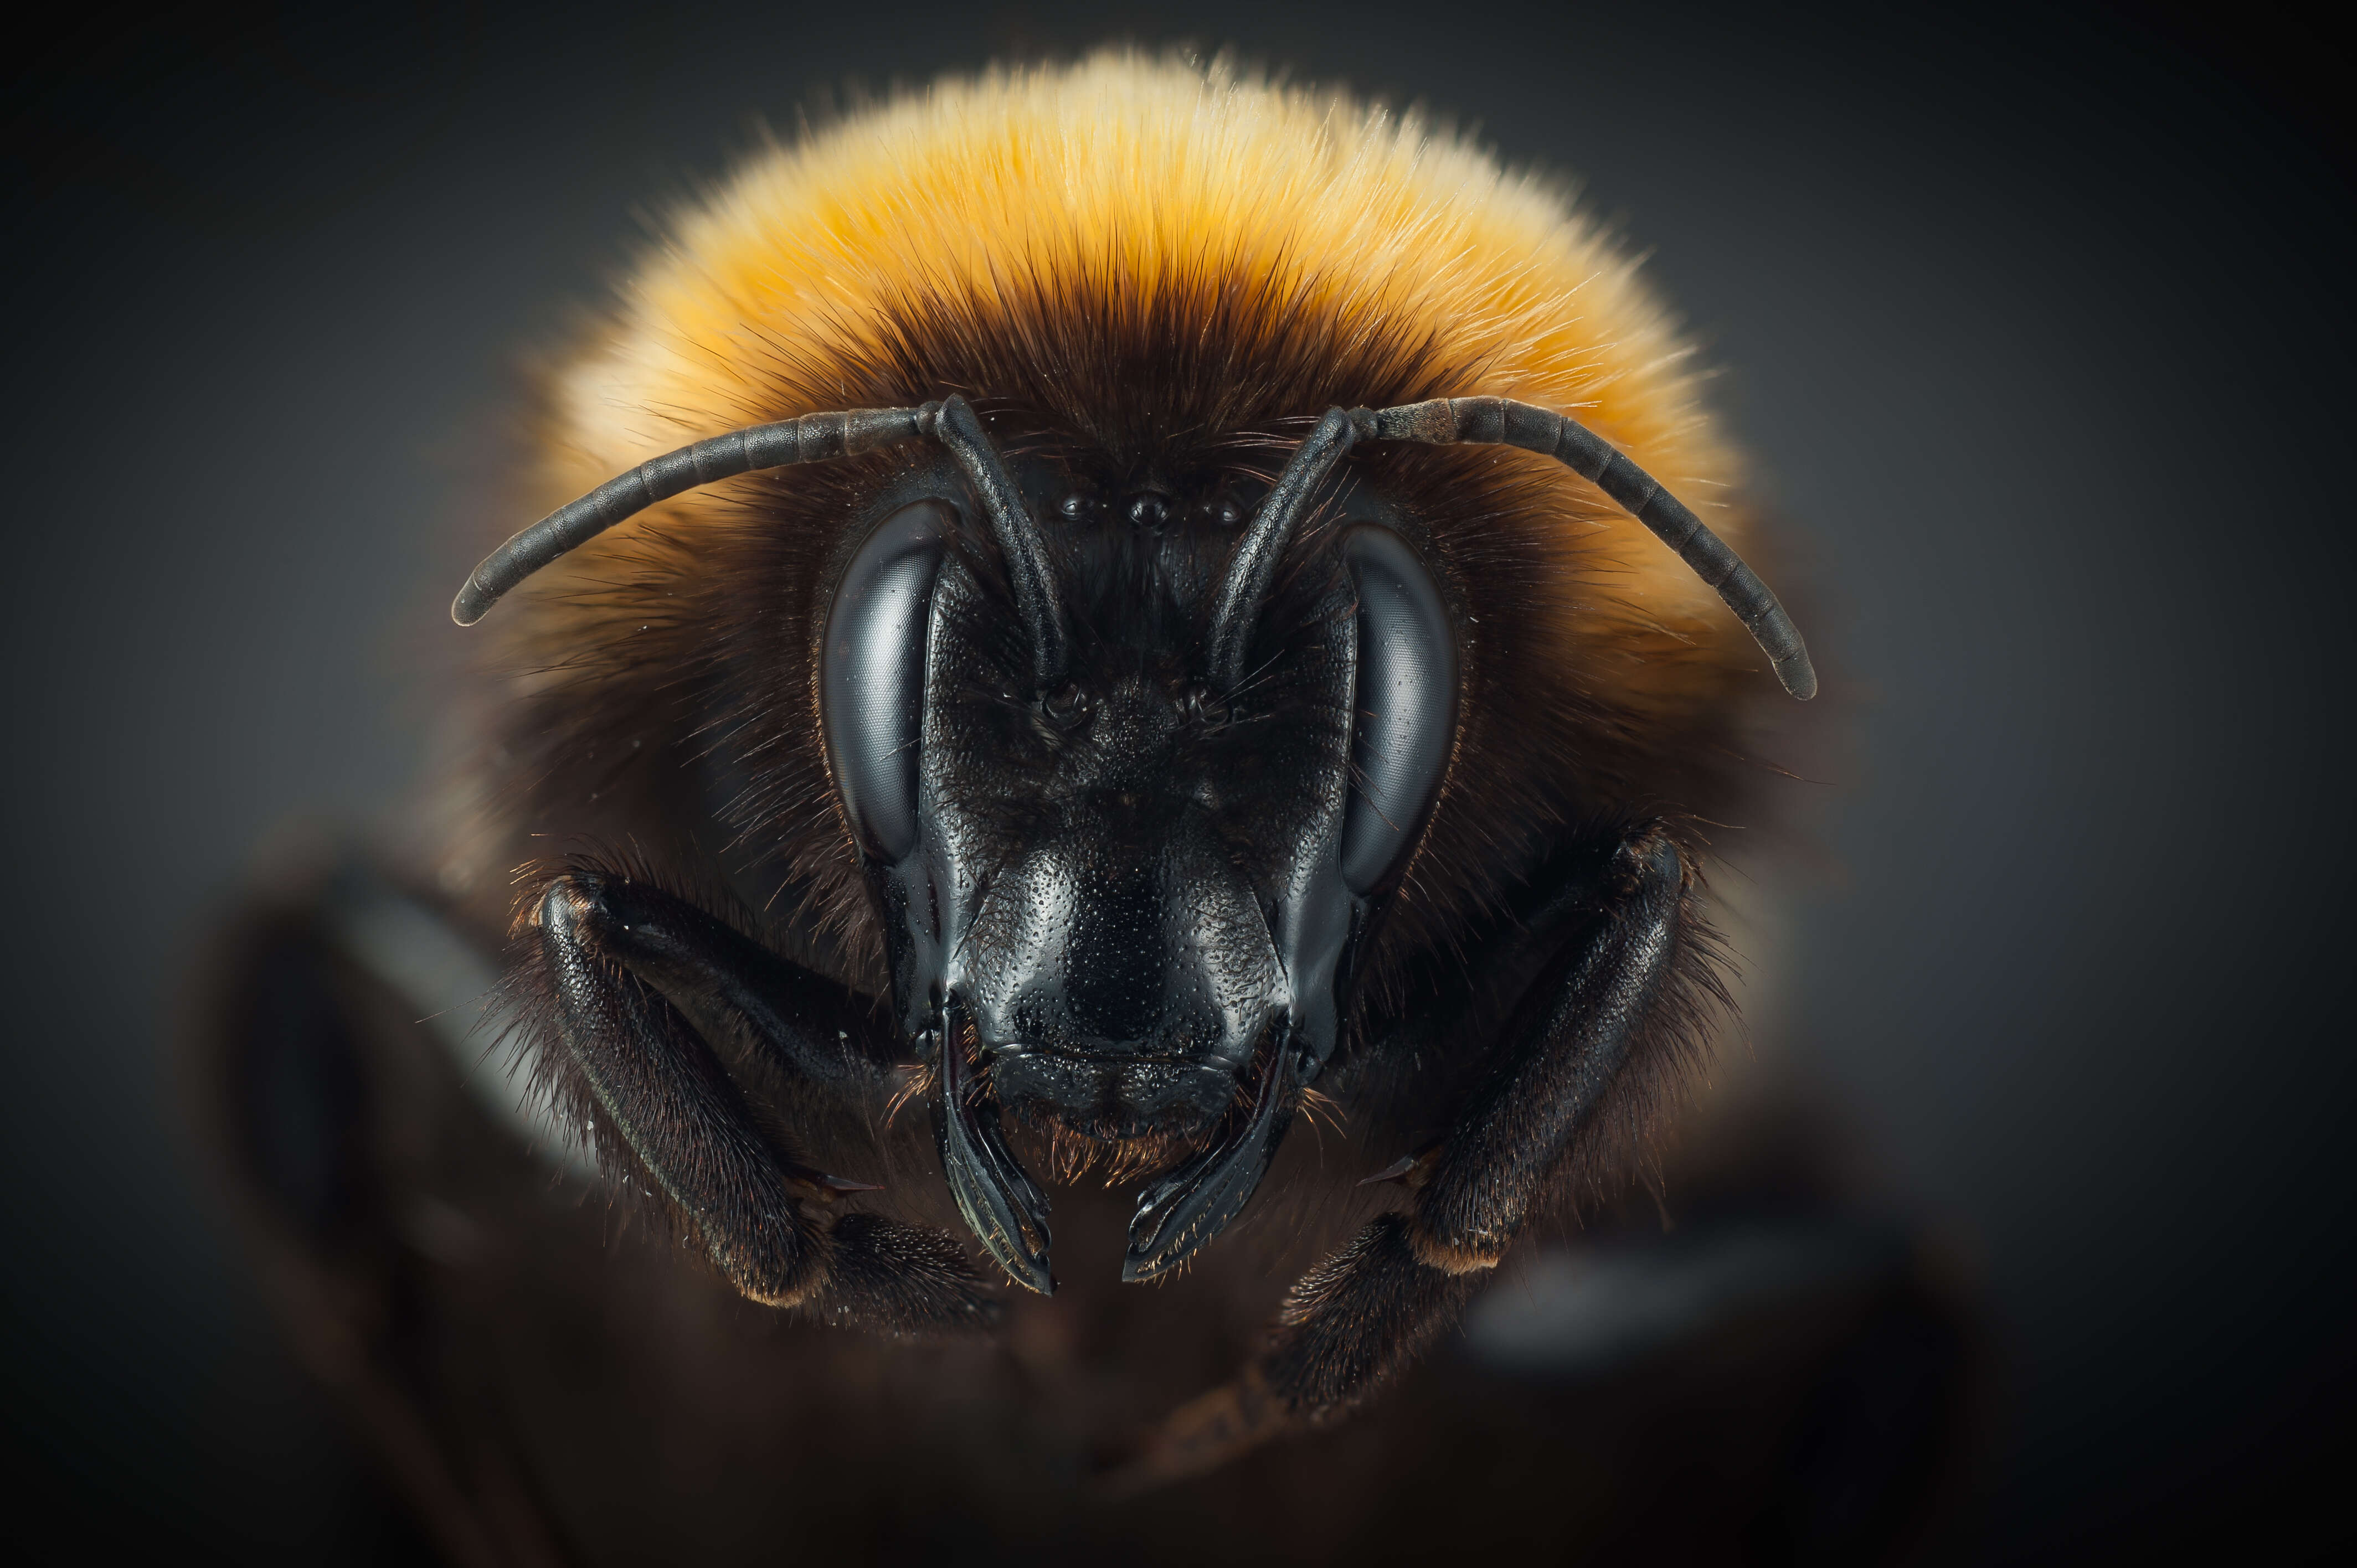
(1152, 168)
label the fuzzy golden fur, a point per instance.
(1372, 225)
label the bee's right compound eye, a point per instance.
(1406, 705)
(872, 675)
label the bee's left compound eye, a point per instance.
(872, 673)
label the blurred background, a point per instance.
(2039, 322)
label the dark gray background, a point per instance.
(2039, 322)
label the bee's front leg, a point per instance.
(1372, 1308)
(637, 980)
(1576, 1028)
(1614, 938)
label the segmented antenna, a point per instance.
(1244, 589)
(1496, 421)
(1019, 539)
(810, 438)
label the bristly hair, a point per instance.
(1138, 270)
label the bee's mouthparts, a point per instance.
(1176, 1215)
(1180, 1213)
(1002, 1205)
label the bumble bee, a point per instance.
(1087, 614)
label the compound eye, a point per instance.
(872, 675)
(1406, 703)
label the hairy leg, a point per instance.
(1569, 1039)
(637, 980)
(1373, 1307)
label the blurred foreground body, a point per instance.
(1782, 1377)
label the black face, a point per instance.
(1125, 907)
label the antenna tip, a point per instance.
(1799, 677)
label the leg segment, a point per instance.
(1370, 1309)
(1570, 1038)
(1373, 1307)
(719, 980)
(636, 975)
